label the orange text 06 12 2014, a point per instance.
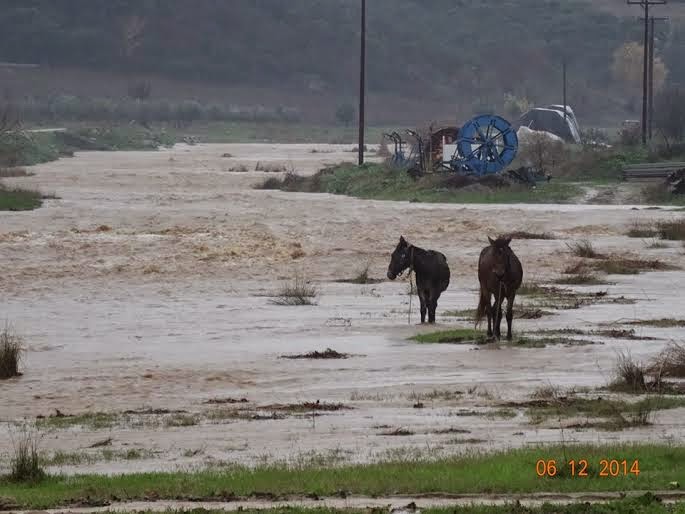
(586, 468)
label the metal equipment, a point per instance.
(485, 145)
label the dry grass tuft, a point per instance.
(25, 463)
(584, 249)
(326, 354)
(616, 265)
(670, 362)
(673, 230)
(297, 292)
(14, 172)
(629, 374)
(580, 279)
(271, 167)
(11, 351)
(522, 234)
(642, 231)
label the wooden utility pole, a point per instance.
(362, 85)
(564, 66)
(645, 72)
(650, 108)
(650, 102)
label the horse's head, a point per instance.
(400, 259)
(500, 250)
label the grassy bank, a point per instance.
(283, 132)
(512, 471)
(29, 148)
(644, 504)
(17, 199)
(277, 132)
(376, 181)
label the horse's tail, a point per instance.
(481, 311)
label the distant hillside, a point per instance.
(462, 54)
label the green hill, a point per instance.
(461, 54)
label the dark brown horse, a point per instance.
(432, 274)
(500, 274)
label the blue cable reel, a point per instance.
(486, 144)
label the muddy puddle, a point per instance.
(149, 284)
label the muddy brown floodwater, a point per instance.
(148, 284)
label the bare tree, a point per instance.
(669, 114)
(132, 28)
(12, 139)
(542, 151)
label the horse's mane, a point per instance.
(502, 242)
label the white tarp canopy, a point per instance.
(527, 136)
(551, 119)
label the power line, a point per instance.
(645, 4)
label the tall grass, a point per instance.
(584, 248)
(25, 463)
(296, 292)
(11, 351)
(629, 374)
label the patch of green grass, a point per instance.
(580, 279)
(600, 412)
(89, 420)
(522, 234)
(436, 394)
(584, 249)
(550, 297)
(610, 165)
(642, 231)
(453, 336)
(18, 199)
(122, 137)
(277, 132)
(61, 458)
(181, 420)
(531, 289)
(376, 181)
(501, 413)
(471, 336)
(616, 265)
(14, 172)
(130, 454)
(659, 323)
(508, 472)
(673, 230)
(520, 312)
(461, 313)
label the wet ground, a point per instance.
(149, 284)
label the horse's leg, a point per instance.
(497, 314)
(420, 291)
(510, 314)
(432, 304)
(488, 310)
